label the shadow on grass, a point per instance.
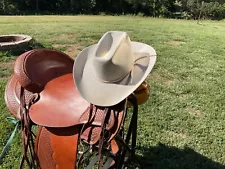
(18, 51)
(165, 157)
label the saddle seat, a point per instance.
(34, 69)
(60, 104)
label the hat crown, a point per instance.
(113, 59)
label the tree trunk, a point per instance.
(121, 6)
(200, 13)
(3, 5)
(70, 3)
(154, 5)
(37, 5)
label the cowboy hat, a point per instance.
(109, 71)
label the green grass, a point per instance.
(182, 125)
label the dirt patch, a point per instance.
(6, 69)
(175, 43)
(92, 41)
(4, 78)
(179, 135)
(59, 45)
(163, 78)
(168, 82)
(65, 36)
(71, 50)
(9, 65)
(196, 113)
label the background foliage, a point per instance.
(185, 9)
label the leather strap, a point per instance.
(23, 130)
(101, 141)
(27, 134)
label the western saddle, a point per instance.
(41, 91)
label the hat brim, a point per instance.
(102, 93)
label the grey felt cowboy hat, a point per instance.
(109, 71)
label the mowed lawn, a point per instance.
(182, 125)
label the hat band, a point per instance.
(130, 72)
(119, 79)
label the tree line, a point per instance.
(185, 9)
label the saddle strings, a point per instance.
(90, 120)
(27, 134)
(101, 140)
(24, 131)
(35, 97)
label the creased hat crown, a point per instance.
(113, 58)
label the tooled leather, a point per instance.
(12, 96)
(91, 133)
(43, 149)
(21, 75)
(37, 67)
(97, 117)
(56, 148)
(118, 122)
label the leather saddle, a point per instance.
(42, 91)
